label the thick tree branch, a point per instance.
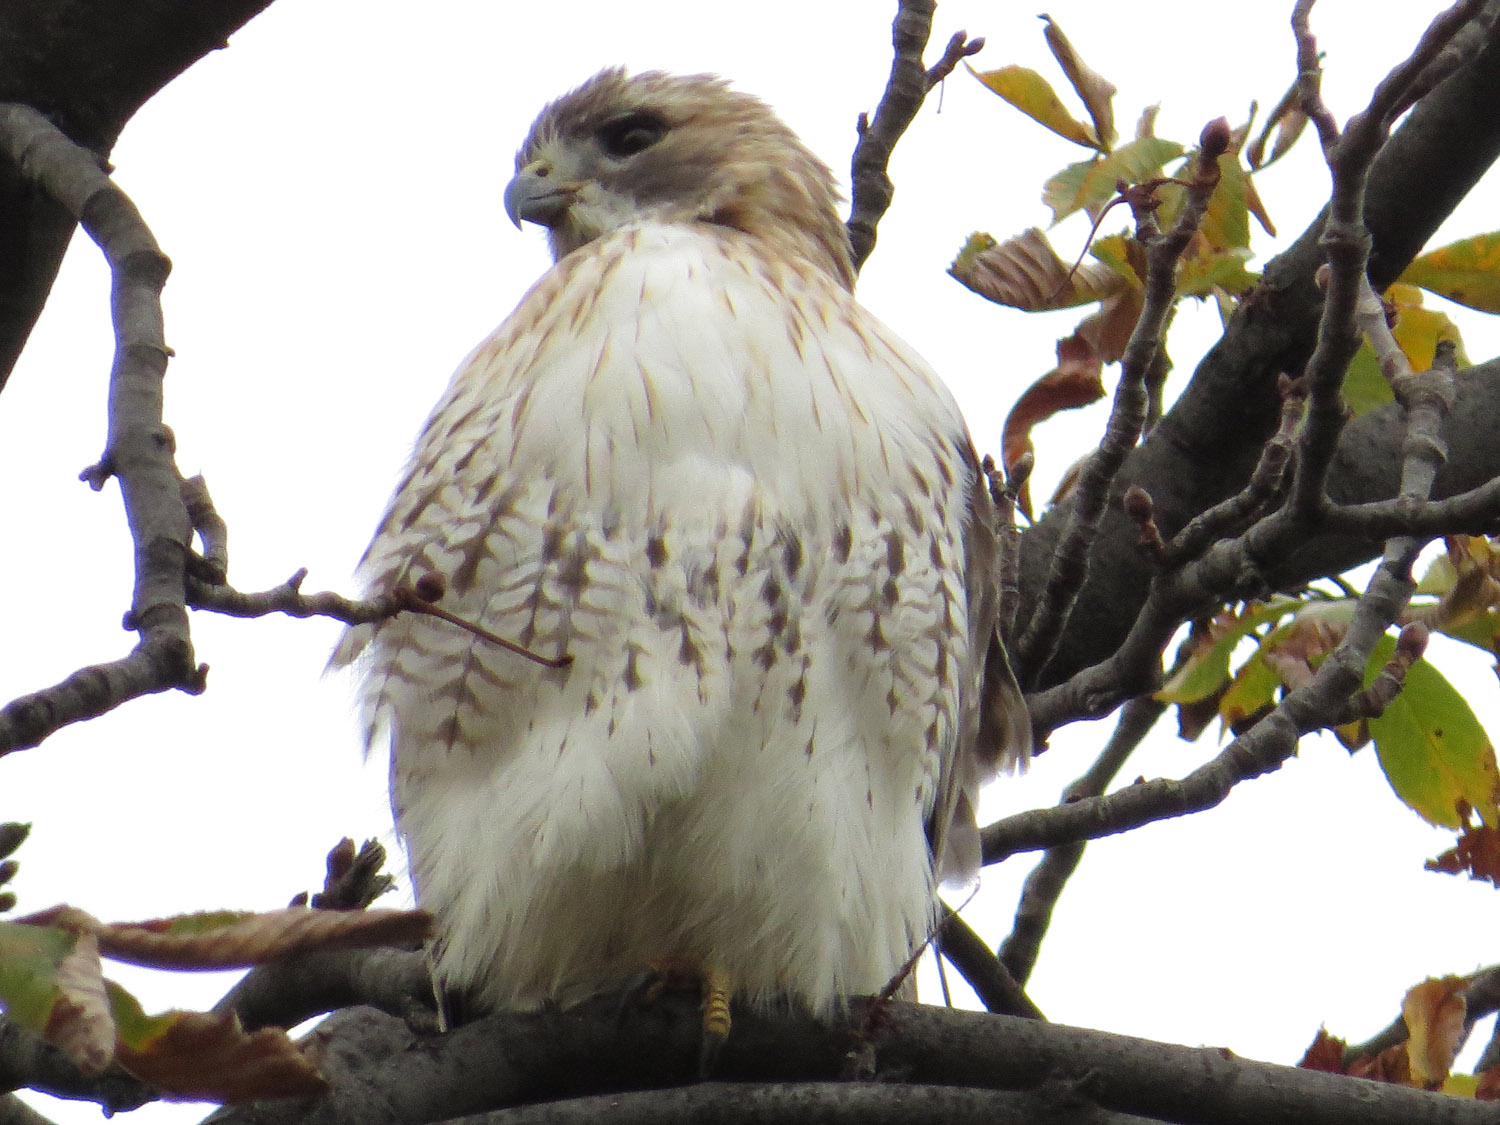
(380, 1072)
(807, 1103)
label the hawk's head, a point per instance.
(675, 149)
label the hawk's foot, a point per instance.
(682, 975)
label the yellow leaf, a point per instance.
(1097, 92)
(1466, 272)
(1033, 95)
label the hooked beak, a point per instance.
(536, 198)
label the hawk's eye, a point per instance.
(633, 133)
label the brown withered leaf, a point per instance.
(1025, 273)
(1295, 651)
(199, 1056)
(1193, 718)
(80, 1021)
(1477, 852)
(1489, 1085)
(1434, 1012)
(1325, 1052)
(1075, 381)
(1391, 1065)
(1109, 329)
(1096, 91)
(229, 941)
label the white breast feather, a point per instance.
(736, 500)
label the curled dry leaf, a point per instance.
(1096, 91)
(1434, 1012)
(200, 1056)
(80, 1022)
(1025, 273)
(1287, 121)
(229, 941)
(1074, 382)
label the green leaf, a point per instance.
(1253, 687)
(1092, 182)
(1481, 632)
(29, 959)
(1466, 272)
(1226, 222)
(1433, 750)
(1198, 275)
(1034, 96)
(1207, 668)
(1365, 387)
(135, 1028)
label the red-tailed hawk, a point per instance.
(754, 519)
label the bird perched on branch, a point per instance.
(749, 523)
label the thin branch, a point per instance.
(1264, 486)
(138, 449)
(996, 988)
(1481, 998)
(288, 598)
(1128, 415)
(289, 990)
(905, 91)
(1045, 885)
(213, 564)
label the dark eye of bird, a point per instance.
(633, 133)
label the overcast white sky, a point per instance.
(329, 191)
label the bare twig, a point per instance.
(289, 990)
(288, 599)
(137, 449)
(1044, 886)
(213, 564)
(1264, 486)
(905, 91)
(1128, 415)
(996, 988)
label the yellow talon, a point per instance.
(716, 1019)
